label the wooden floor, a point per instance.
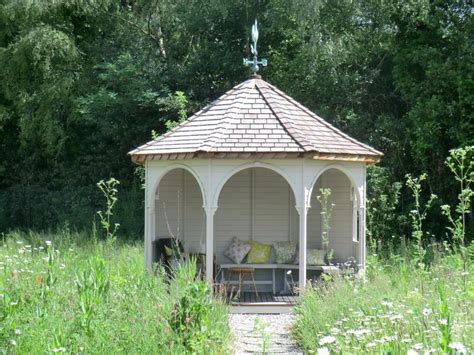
(263, 297)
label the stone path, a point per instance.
(254, 333)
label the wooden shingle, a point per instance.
(255, 117)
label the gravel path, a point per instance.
(254, 332)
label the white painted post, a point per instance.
(362, 246)
(210, 243)
(149, 219)
(303, 212)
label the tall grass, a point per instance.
(65, 293)
(386, 312)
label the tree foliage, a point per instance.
(82, 82)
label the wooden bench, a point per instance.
(329, 269)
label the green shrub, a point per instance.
(62, 293)
(386, 313)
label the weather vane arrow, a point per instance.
(254, 63)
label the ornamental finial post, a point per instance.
(254, 63)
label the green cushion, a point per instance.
(315, 257)
(285, 252)
(259, 253)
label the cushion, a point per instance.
(259, 253)
(313, 257)
(237, 250)
(285, 252)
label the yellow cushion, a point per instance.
(259, 253)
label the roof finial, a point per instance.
(253, 63)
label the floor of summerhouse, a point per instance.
(264, 302)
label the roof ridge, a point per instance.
(190, 119)
(287, 124)
(321, 120)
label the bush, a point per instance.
(387, 312)
(63, 293)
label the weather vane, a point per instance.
(253, 63)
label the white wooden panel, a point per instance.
(340, 235)
(233, 216)
(179, 204)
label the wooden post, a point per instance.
(303, 212)
(210, 243)
(149, 219)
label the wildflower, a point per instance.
(412, 352)
(48, 243)
(288, 272)
(17, 331)
(443, 321)
(459, 347)
(323, 351)
(418, 346)
(19, 242)
(28, 246)
(59, 350)
(388, 304)
(327, 340)
(406, 340)
(12, 342)
(335, 330)
(371, 344)
(426, 312)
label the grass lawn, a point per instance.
(65, 293)
(395, 310)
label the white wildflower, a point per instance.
(335, 330)
(323, 351)
(19, 242)
(418, 346)
(327, 340)
(59, 350)
(406, 340)
(412, 352)
(443, 321)
(48, 243)
(12, 342)
(459, 347)
(388, 304)
(17, 331)
(371, 344)
(426, 312)
(288, 272)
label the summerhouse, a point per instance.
(249, 167)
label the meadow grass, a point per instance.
(64, 292)
(394, 309)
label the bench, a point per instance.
(285, 267)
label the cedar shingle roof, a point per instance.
(255, 118)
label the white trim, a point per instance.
(337, 167)
(180, 166)
(256, 164)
